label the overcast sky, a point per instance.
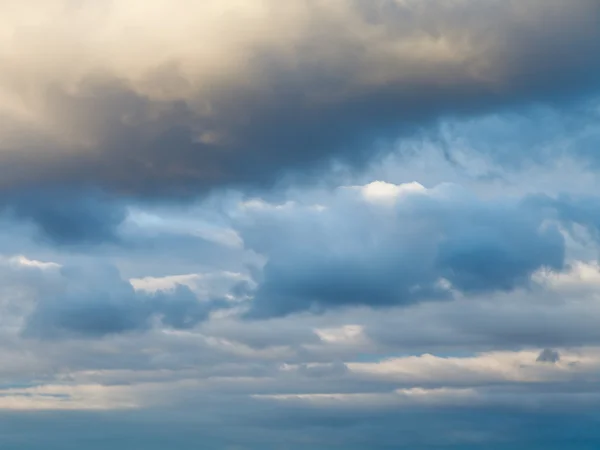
(299, 224)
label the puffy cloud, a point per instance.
(331, 371)
(96, 302)
(157, 190)
(560, 310)
(67, 217)
(235, 92)
(383, 245)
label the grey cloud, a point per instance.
(548, 356)
(356, 252)
(532, 317)
(577, 209)
(96, 302)
(535, 317)
(289, 97)
(338, 369)
(67, 217)
(227, 374)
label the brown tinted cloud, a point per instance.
(164, 96)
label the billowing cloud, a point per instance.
(334, 371)
(113, 95)
(304, 224)
(383, 244)
(96, 301)
(64, 217)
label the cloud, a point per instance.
(384, 245)
(548, 356)
(96, 302)
(243, 92)
(557, 310)
(192, 232)
(326, 373)
(66, 217)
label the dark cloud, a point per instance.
(122, 127)
(292, 104)
(374, 70)
(548, 356)
(67, 216)
(96, 301)
(484, 256)
(583, 210)
(351, 251)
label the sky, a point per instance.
(300, 224)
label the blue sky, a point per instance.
(358, 224)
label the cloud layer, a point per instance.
(384, 244)
(114, 95)
(305, 224)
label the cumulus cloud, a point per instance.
(112, 94)
(333, 370)
(325, 223)
(96, 301)
(64, 217)
(383, 245)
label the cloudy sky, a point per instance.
(300, 224)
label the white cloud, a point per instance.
(388, 193)
(346, 335)
(482, 368)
